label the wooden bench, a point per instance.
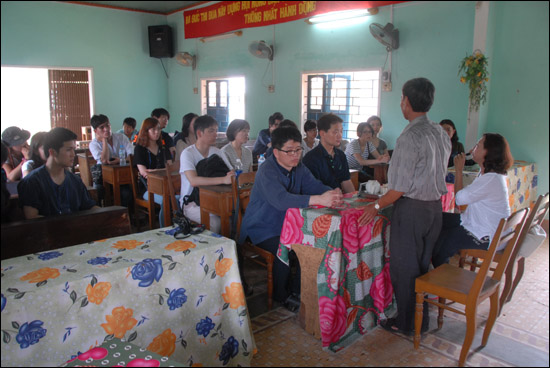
(47, 233)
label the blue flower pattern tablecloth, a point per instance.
(182, 299)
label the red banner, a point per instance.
(227, 16)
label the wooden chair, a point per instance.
(467, 287)
(85, 161)
(141, 205)
(47, 233)
(249, 250)
(471, 256)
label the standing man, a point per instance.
(162, 115)
(326, 162)
(416, 179)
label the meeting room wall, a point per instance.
(434, 38)
(114, 43)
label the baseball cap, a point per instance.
(14, 136)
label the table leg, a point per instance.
(310, 260)
(107, 189)
(225, 226)
(166, 201)
(205, 218)
(116, 191)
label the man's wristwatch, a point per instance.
(377, 206)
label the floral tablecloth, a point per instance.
(182, 299)
(353, 280)
(522, 180)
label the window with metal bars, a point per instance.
(69, 99)
(353, 96)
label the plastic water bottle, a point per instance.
(238, 167)
(261, 160)
(122, 155)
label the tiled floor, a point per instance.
(520, 336)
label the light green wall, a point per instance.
(434, 37)
(518, 106)
(127, 82)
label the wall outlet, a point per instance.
(271, 88)
(386, 86)
(196, 90)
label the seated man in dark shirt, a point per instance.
(263, 142)
(326, 162)
(51, 189)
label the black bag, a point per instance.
(210, 167)
(97, 174)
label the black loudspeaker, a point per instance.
(160, 42)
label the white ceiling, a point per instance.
(164, 7)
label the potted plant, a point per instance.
(475, 74)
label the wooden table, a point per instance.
(380, 172)
(345, 279)
(157, 183)
(216, 200)
(116, 175)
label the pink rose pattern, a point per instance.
(381, 289)
(292, 227)
(354, 237)
(332, 318)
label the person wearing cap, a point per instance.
(52, 189)
(18, 150)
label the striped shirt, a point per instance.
(355, 147)
(419, 162)
(232, 157)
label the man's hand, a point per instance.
(369, 213)
(332, 198)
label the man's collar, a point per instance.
(282, 169)
(325, 151)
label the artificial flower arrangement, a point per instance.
(476, 76)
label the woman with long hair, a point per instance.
(37, 155)
(486, 197)
(186, 137)
(456, 147)
(150, 154)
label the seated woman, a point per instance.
(150, 153)
(37, 155)
(456, 147)
(237, 134)
(186, 137)
(310, 141)
(18, 151)
(376, 123)
(357, 152)
(486, 197)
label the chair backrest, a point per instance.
(84, 165)
(536, 216)
(134, 177)
(245, 181)
(508, 231)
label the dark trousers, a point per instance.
(452, 238)
(283, 282)
(415, 227)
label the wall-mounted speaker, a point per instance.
(160, 41)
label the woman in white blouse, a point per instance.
(237, 134)
(310, 141)
(486, 197)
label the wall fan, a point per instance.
(186, 59)
(387, 35)
(261, 50)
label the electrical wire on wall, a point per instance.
(163, 67)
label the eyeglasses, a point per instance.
(295, 152)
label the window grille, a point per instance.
(69, 99)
